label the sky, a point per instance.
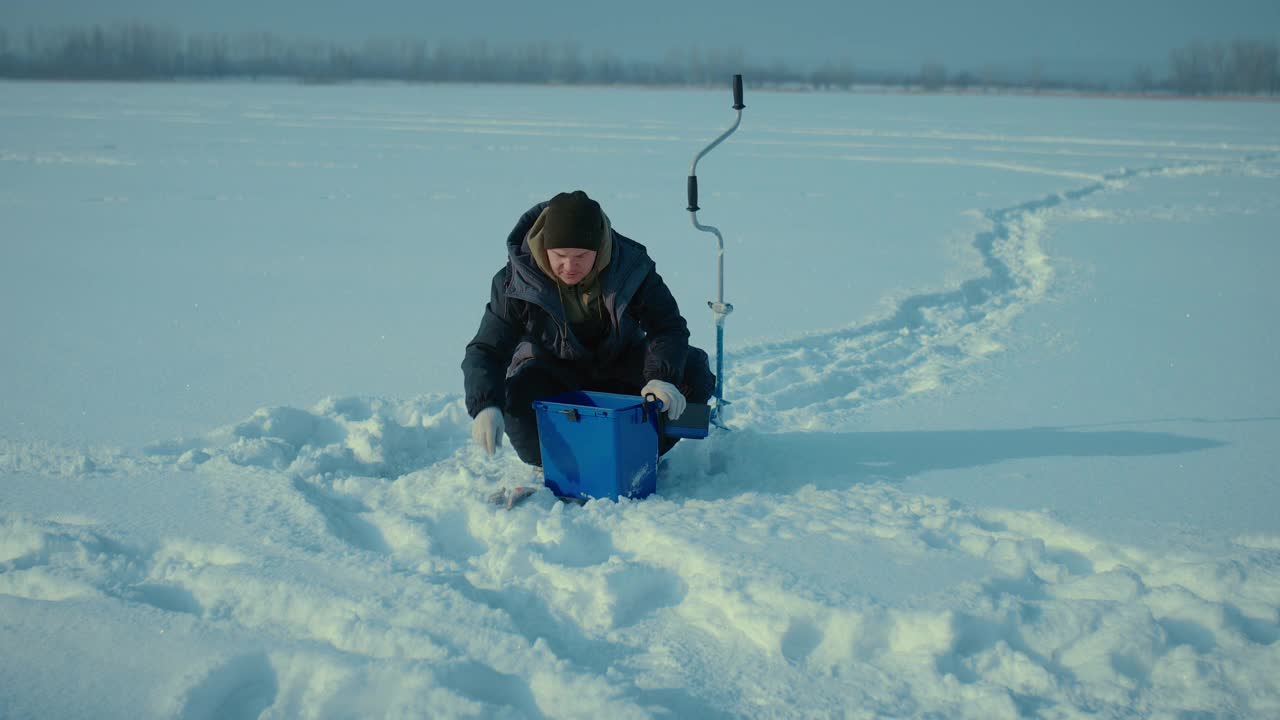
(1083, 36)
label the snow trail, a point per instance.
(822, 381)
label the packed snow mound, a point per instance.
(416, 597)
(372, 437)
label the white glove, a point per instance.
(669, 395)
(486, 429)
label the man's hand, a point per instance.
(669, 395)
(487, 428)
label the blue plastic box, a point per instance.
(598, 445)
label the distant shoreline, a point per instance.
(870, 89)
(1242, 69)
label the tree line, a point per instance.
(141, 51)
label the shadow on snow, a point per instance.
(786, 462)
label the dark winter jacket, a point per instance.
(525, 307)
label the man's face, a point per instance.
(571, 264)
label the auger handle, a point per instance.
(693, 169)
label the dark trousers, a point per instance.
(538, 379)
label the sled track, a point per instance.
(823, 380)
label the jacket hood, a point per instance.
(524, 280)
(618, 272)
(582, 299)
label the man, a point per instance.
(578, 306)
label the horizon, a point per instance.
(1089, 40)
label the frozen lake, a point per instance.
(170, 248)
(1003, 374)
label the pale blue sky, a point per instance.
(1091, 36)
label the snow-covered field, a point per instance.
(1003, 374)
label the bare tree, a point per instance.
(1035, 78)
(963, 80)
(1252, 67)
(1218, 68)
(933, 76)
(1144, 79)
(569, 67)
(1190, 70)
(988, 77)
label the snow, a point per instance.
(1002, 373)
